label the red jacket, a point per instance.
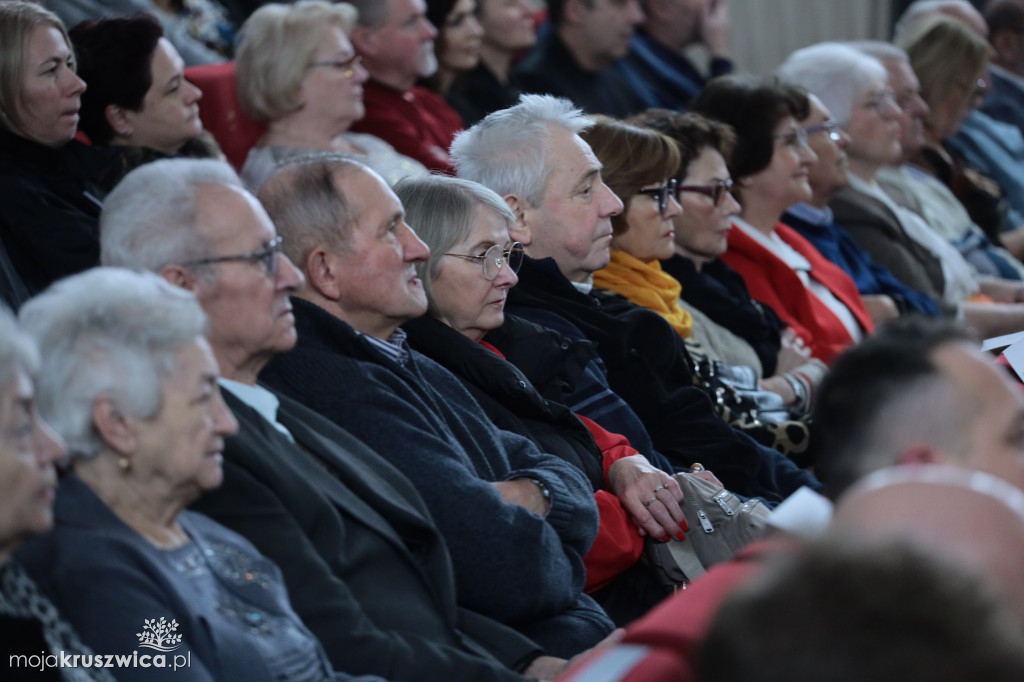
(418, 123)
(774, 283)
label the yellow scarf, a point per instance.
(645, 284)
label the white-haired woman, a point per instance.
(29, 450)
(131, 385)
(471, 267)
(298, 71)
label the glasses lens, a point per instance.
(492, 261)
(514, 256)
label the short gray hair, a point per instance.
(18, 352)
(149, 220)
(107, 332)
(507, 150)
(306, 205)
(275, 47)
(441, 210)
(837, 73)
(372, 13)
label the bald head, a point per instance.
(970, 517)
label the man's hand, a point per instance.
(546, 668)
(650, 496)
(525, 493)
(716, 29)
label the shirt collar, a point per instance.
(259, 399)
(584, 287)
(394, 347)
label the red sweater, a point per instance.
(418, 123)
(776, 284)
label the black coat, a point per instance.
(366, 569)
(649, 367)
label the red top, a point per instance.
(418, 123)
(773, 282)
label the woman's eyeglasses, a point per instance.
(346, 67)
(495, 258)
(662, 193)
(716, 190)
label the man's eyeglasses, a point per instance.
(829, 126)
(347, 67)
(716, 190)
(495, 258)
(266, 257)
(661, 194)
(881, 100)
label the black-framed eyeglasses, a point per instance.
(347, 66)
(830, 126)
(267, 257)
(716, 190)
(661, 194)
(494, 259)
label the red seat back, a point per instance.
(222, 112)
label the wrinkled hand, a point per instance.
(881, 308)
(793, 352)
(716, 28)
(525, 493)
(635, 481)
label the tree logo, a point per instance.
(159, 635)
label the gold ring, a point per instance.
(660, 487)
(649, 502)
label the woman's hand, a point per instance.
(650, 496)
(792, 353)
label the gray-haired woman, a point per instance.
(30, 624)
(131, 384)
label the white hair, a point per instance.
(920, 9)
(149, 220)
(836, 73)
(107, 332)
(507, 150)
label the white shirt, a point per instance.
(259, 399)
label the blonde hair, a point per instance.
(945, 54)
(276, 45)
(17, 20)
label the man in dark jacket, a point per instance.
(517, 521)
(532, 155)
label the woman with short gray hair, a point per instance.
(131, 385)
(298, 72)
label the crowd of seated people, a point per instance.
(414, 393)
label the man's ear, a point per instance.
(323, 273)
(179, 276)
(520, 230)
(364, 40)
(114, 427)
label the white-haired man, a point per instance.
(395, 40)
(532, 155)
(367, 570)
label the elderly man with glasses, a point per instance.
(366, 567)
(517, 521)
